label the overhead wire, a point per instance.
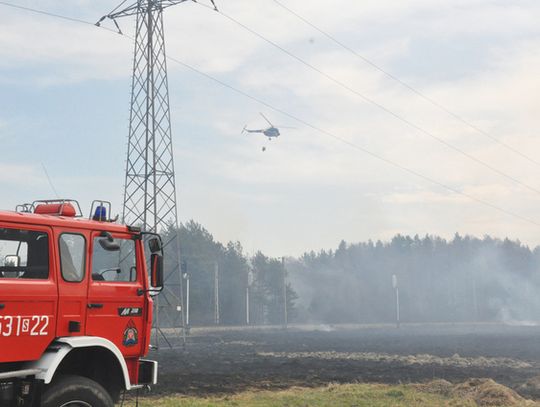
(351, 144)
(379, 105)
(46, 13)
(407, 85)
(319, 129)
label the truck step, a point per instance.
(19, 373)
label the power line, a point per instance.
(406, 85)
(46, 13)
(353, 145)
(325, 132)
(380, 106)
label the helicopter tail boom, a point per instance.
(252, 131)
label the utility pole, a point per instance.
(187, 277)
(396, 290)
(247, 305)
(216, 293)
(285, 316)
(249, 282)
(187, 301)
(475, 297)
(150, 184)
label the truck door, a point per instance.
(28, 292)
(116, 297)
(72, 281)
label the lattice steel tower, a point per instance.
(150, 188)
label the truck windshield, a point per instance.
(118, 266)
(24, 254)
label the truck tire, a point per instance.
(75, 391)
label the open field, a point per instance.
(227, 363)
(359, 395)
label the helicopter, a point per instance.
(270, 132)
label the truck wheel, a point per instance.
(76, 391)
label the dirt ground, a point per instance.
(233, 360)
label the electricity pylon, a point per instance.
(150, 187)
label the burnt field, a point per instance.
(231, 360)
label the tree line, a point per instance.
(250, 289)
(463, 279)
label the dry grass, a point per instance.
(439, 393)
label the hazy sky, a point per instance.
(64, 103)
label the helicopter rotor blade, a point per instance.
(264, 117)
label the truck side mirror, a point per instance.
(108, 243)
(155, 245)
(156, 277)
(12, 261)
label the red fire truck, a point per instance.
(75, 306)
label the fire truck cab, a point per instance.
(75, 306)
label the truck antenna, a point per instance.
(49, 180)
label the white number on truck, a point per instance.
(34, 325)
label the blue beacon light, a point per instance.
(100, 214)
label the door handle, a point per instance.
(95, 305)
(2, 306)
